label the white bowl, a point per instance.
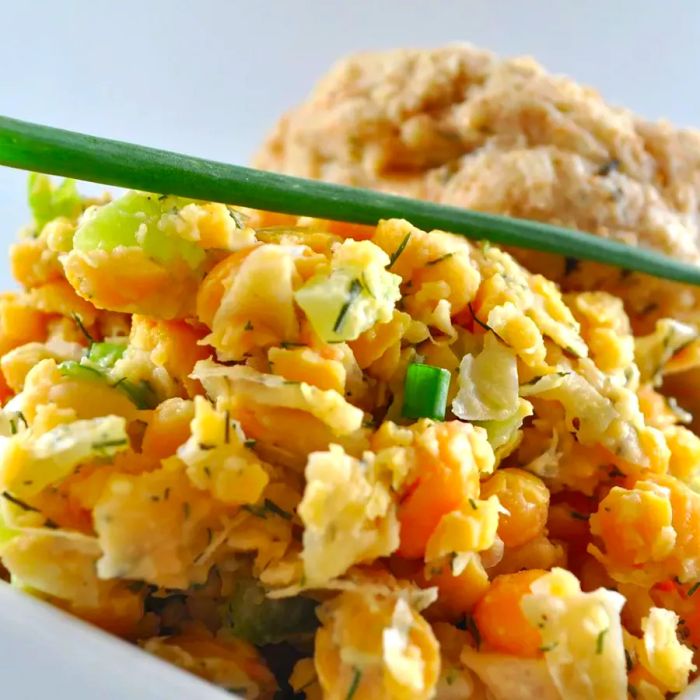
(46, 653)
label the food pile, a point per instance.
(462, 126)
(327, 461)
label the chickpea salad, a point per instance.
(307, 459)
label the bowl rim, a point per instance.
(49, 649)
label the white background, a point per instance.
(210, 77)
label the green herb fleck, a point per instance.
(571, 351)
(483, 325)
(82, 329)
(579, 516)
(250, 443)
(109, 443)
(20, 504)
(436, 261)
(366, 287)
(353, 292)
(608, 167)
(693, 588)
(257, 511)
(238, 218)
(274, 508)
(135, 586)
(248, 326)
(268, 506)
(548, 647)
(600, 639)
(355, 683)
(141, 395)
(397, 253)
(571, 265)
(471, 627)
(472, 503)
(227, 427)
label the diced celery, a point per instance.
(48, 202)
(138, 220)
(76, 370)
(105, 355)
(251, 615)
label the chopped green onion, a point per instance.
(55, 151)
(425, 392)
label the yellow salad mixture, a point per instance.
(318, 460)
